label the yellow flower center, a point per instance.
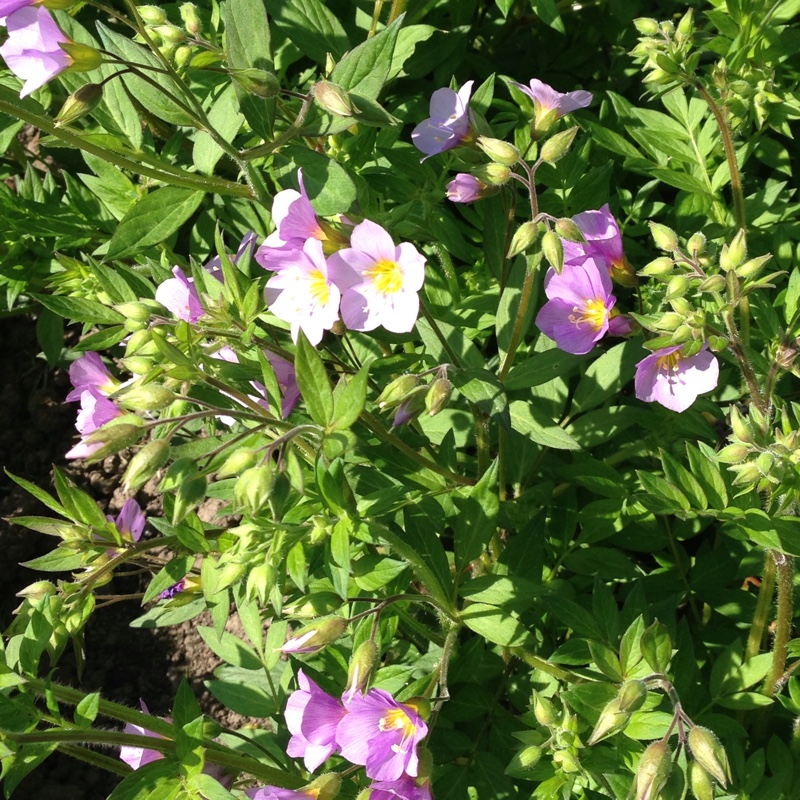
(594, 313)
(387, 276)
(669, 364)
(397, 719)
(318, 286)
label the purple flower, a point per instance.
(406, 788)
(448, 124)
(130, 521)
(382, 735)
(33, 49)
(287, 381)
(171, 591)
(214, 266)
(180, 296)
(277, 793)
(312, 717)
(466, 188)
(10, 6)
(379, 281)
(579, 301)
(546, 99)
(89, 372)
(136, 757)
(668, 377)
(96, 410)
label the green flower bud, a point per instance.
(664, 237)
(361, 668)
(313, 638)
(411, 407)
(523, 238)
(190, 494)
(84, 58)
(529, 757)
(681, 306)
(567, 761)
(36, 591)
(259, 82)
(152, 15)
(169, 34)
(700, 782)
(653, 771)
(253, 488)
(325, 787)
(438, 396)
(632, 695)
(658, 268)
(764, 462)
(137, 311)
(543, 710)
(138, 365)
(558, 146)
(741, 428)
(499, 151)
(718, 343)
(677, 287)
(686, 25)
(613, 719)
(751, 268)
(183, 55)
(716, 283)
(670, 321)
(190, 18)
(79, 103)
(746, 474)
(646, 26)
(145, 464)
(696, 244)
(568, 230)
(151, 397)
(709, 753)
(115, 436)
(397, 391)
(237, 462)
(333, 99)
(553, 250)
(491, 174)
(692, 348)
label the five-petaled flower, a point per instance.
(180, 296)
(674, 380)
(382, 735)
(448, 124)
(578, 311)
(130, 521)
(96, 410)
(546, 99)
(379, 281)
(89, 372)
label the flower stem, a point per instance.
(287, 135)
(783, 623)
(763, 604)
(522, 313)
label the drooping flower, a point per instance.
(130, 521)
(405, 788)
(96, 410)
(382, 735)
(312, 716)
(88, 372)
(302, 292)
(466, 188)
(670, 378)
(295, 221)
(448, 124)
(546, 99)
(180, 296)
(578, 308)
(380, 282)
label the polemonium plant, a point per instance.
(546, 98)
(180, 296)
(674, 380)
(96, 410)
(130, 521)
(448, 124)
(88, 372)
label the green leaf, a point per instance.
(547, 12)
(175, 569)
(791, 299)
(56, 561)
(50, 335)
(328, 185)
(313, 382)
(154, 218)
(311, 27)
(495, 624)
(657, 647)
(606, 376)
(86, 710)
(158, 780)
(660, 490)
(209, 788)
(483, 388)
(243, 691)
(350, 403)
(534, 422)
(225, 117)
(80, 310)
(40, 494)
(540, 368)
(677, 474)
(708, 475)
(508, 591)
(475, 524)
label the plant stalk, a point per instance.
(783, 623)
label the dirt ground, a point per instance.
(126, 664)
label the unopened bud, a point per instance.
(237, 462)
(700, 782)
(114, 436)
(568, 229)
(670, 321)
(169, 34)
(190, 494)
(681, 305)
(411, 407)
(653, 771)
(36, 591)
(677, 287)
(152, 15)
(139, 312)
(716, 283)
(145, 464)
(190, 18)
(253, 488)
(543, 710)
(259, 82)
(525, 236)
(658, 268)
(553, 250)
(709, 753)
(751, 268)
(315, 637)
(632, 695)
(362, 665)
(664, 237)
(333, 99)
(79, 103)
(686, 25)
(397, 391)
(438, 396)
(646, 26)
(183, 55)
(529, 757)
(666, 63)
(558, 146)
(696, 244)
(151, 397)
(567, 761)
(741, 428)
(84, 58)
(326, 787)
(492, 174)
(499, 151)
(613, 719)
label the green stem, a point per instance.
(545, 666)
(522, 313)
(376, 15)
(451, 354)
(96, 759)
(763, 605)
(127, 553)
(398, 7)
(292, 131)
(783, 623)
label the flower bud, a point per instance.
(145, 464)
(686, 25)
(666, 63)
(411, 407)
(325, 787)
(115, 436)
(553, 250)
(751, 268)
(632, 695)
(190, 19)
(543, 710)
(709, 753)
(499, 151)
(646, 26)
(466, 188)
(333, 99)
(567, 229)
(237, 462)
(190, 494)
(169, 34)
(718, 344)
(741, 428)
(253, 488)
(696, 244)
(84, 57)
(492, 174)
(664, 237)
(681, 305)
(259, 82)
(670, 321)
(362, 665)
(438, 396)
(151, 397)
(653, 771)
(138, 365)
(529, 757)
(700, 782)
(183, 55)
(525, 236)
(313, 638)
(558, 146)
(658, 268)
(152, 15)
(677, 287)
(613, 719)
(567, 761)
(736, 252)
(36, 591)
(79, 103)
(716, 283)
(397, 391)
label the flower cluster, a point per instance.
(317, 277)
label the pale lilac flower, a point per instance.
(312, 716)
(406, 788)
(136, 757)
(287, 382)
(302, 293)
(226, 353)
(379, 281)
(448, 124)
(675, 381)
(578, 308)
(214, 266)
(466, 188)
(547, 99)
(10, 6)
(180, 296)
(32, 50)
(277, 793)
(295, 221)
(382, 735)
(88, 372)
(130, 521)
(96, 410)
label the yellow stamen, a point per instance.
(594, 314)
(318, 286)
(669, 363)
(387, 276)
(397, 719)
